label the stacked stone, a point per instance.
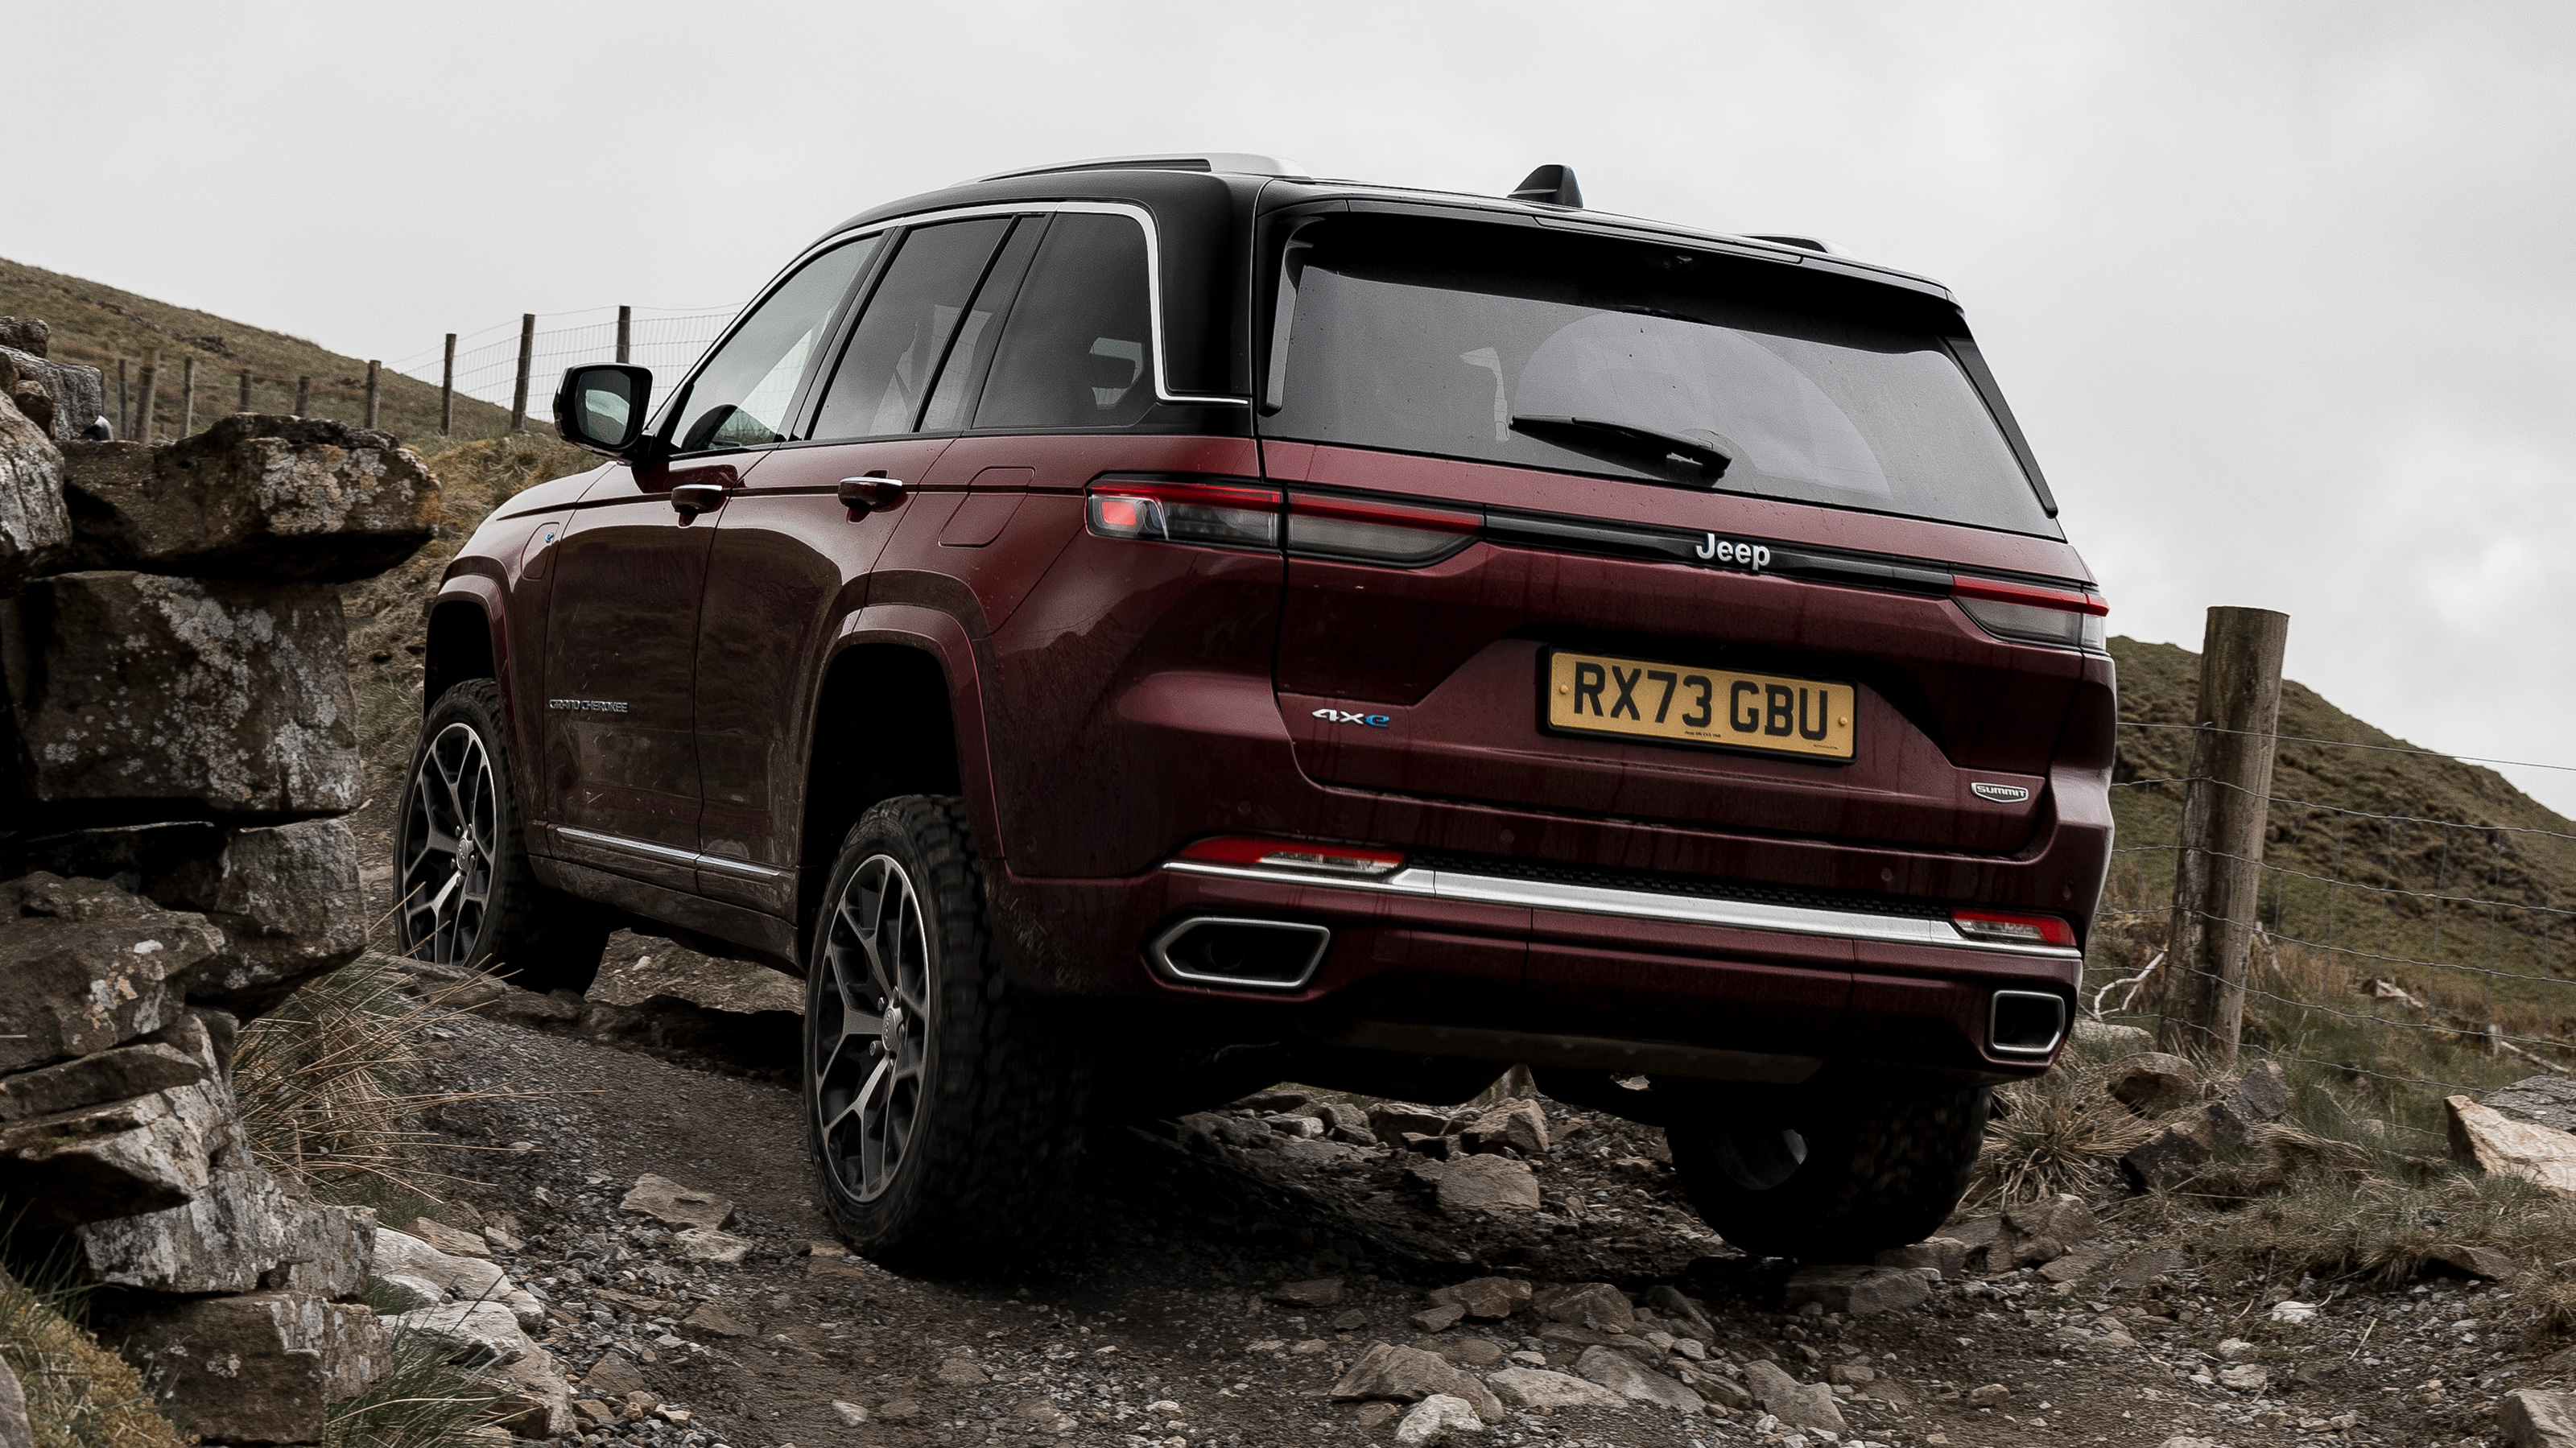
(178, 746)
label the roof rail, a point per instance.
(1802, 243)
(1235, 161)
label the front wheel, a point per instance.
(1833, 1171)
(944, 1113)
(465, 894)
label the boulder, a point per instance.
(35, 531)
(706, 1244)
(1348, 1123)
(1518, 1124)
(145, 1154)
(2489, 1141)
(471, 1279)
(2539, 1101)
(1576, 1301)
(1407, 1375)
(674, 1205)
(288, 901)
(614, 1374)
(32, 335)
(257, 1368)
(243, 1232)
(1485, 1297)
(15, 1430)
(2106, 1037)
(1945, 1255)
(1435, 1419)
(1800, 1405)
(2470, 1261)
(137, 697)
(85, 966)
(1391, 1120)
(2150, 1083)
(1624, 1375)
(454, 1241)
(2532, 1418)
(1858, 1291)
(532, 1399)
(399, 1292)
(111, 1075)
(252, 497)
(1487, 1184)
(2174, 1155)
(66, 399)
(2040, 1232)
(2259, 1094)
(476, 1334)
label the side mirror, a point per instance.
(601, 407)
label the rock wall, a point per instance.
(177, 744)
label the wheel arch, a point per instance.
(898, 710)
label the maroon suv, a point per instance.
(1134, 631)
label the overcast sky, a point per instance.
(2281, 292)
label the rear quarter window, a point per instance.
(1077, 351)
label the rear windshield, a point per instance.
(1579, 354)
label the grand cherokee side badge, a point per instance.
(1344, 716)
(2000, 793)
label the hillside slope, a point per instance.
(2349, 829)
(95, 324)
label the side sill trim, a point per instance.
(1643, 905)
(669, 856)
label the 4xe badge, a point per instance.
(1344, 716)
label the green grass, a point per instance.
(79, 1394)
(422, 1402)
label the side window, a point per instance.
(740, 398)
(1077, 351)
(887, 370)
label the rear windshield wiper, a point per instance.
(1621, 441)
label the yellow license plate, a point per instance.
(1642, 699)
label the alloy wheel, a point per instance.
(447, 849)
(870, 1028)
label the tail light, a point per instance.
(2062, 617)
(1378, 532)
(1219, 513)
(2013, 927)
(1294, 855)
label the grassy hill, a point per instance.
(2485, 870)
(97, 325)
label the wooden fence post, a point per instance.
(245, 391)
(303, 395)
(2218, 872)
(124, 404)
(143, 408)
(187, 394)
(375, 391)
(527, 359)
(625, 331)
(447, 390)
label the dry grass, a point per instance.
(79, 1394)
(2385, 1230)
(329, 1085)
(423, 1402)
(2059, 1133)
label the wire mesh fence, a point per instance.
(2421, 956)
(668, 340)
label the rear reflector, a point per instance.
(1377, 532)
(1238, 517)
(2025, 1023)
(1294, 855)
(2035, 615)
(2015, 928)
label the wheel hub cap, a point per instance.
(444, 849)
(868, 1029)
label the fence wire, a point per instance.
(668, 340)
(2403, 949)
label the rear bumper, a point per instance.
(1452, 962)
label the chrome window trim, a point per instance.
(1157, 951)
(1645, 905)
(669, 855)
(1153, 278)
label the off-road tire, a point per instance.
(1001, 1091)
(536, 938)
(1888, 1155)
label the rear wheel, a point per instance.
(464, 892)
(1833, 1171)
(943, 1112)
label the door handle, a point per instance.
(875, 491)
(691, 499)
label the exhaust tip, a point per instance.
(2025, 1023)
(1240, 954)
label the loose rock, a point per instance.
(257, 1368)
(674, 1205)
(1800, 1405)
(1625, 1376)
(1435, 1418)
(1486, 1297)
(1525, 1387)
(2492, 1142)
(1408, 1374)
(2532, 1418)
(2150, 1083)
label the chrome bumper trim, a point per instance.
(667, 855)
(1642, 905)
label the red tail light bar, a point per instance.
(2021, 611)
